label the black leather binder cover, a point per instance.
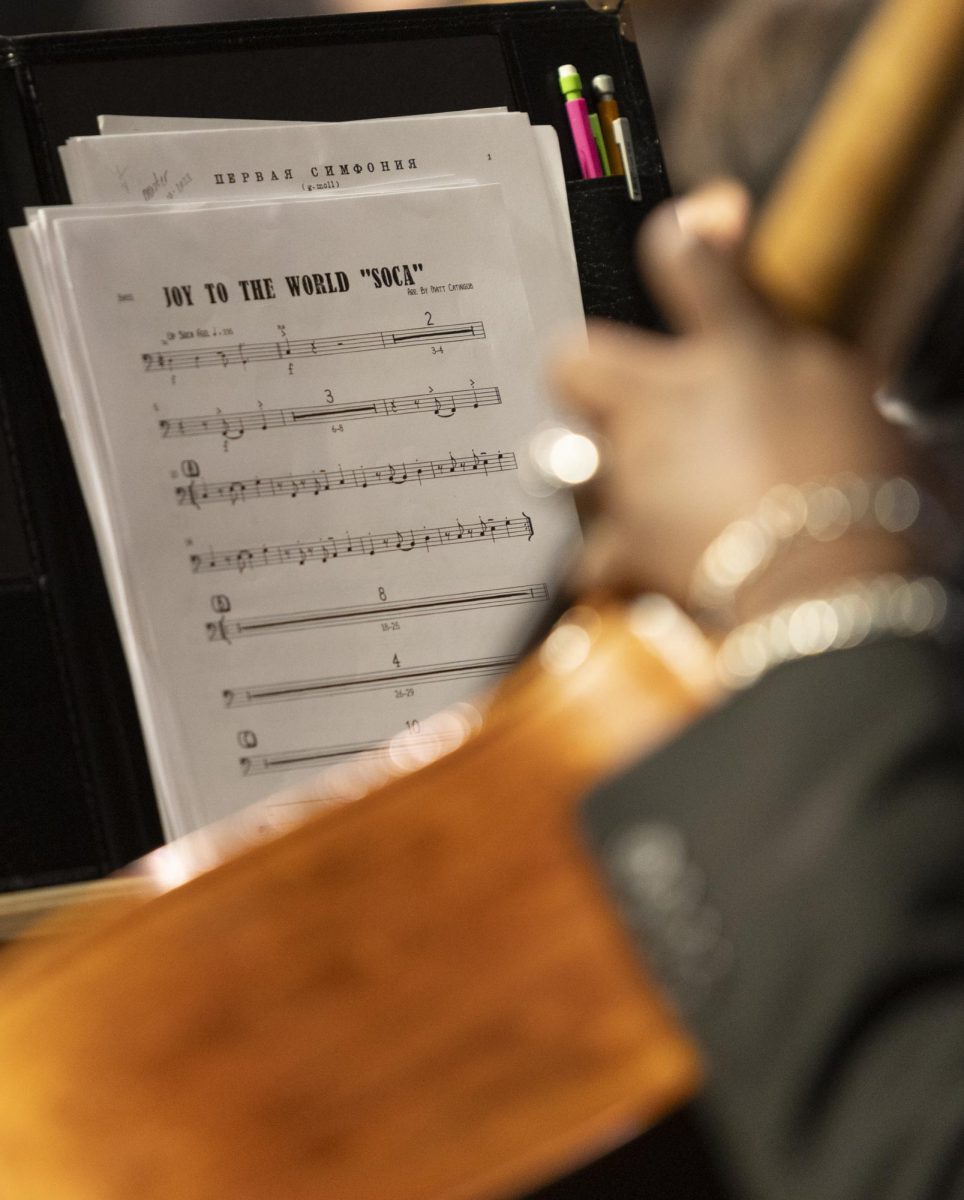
(76, 798)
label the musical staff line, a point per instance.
(233, 426)
(318, 756)
(312, 689)
(354, 545)
(285, 349)
(314, 483)
(322, 618)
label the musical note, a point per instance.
(233, 425)
(352, 343)
(312, 689)
(425, 606)
(326, 549)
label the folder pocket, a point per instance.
(604, 227)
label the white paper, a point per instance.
(261, 162)
(113, 123)
(308, 504)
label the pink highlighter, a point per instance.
(588, 155)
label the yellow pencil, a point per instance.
(608, 111)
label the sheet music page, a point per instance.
(307, 421)
(545, 139)
(267, 162)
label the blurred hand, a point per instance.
(696, 428)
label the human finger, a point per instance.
(619, 362)
(718, 213)
(603, 565)
(591, 385)
(698, 288)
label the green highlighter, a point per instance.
(600, 144)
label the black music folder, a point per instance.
(77, 795)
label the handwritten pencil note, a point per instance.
(301, 424)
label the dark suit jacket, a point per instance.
(793, 869)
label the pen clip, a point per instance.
(625, 143)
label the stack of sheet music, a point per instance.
(297, 365)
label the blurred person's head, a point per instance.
(753, 83)
(733, 82)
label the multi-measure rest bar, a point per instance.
(242, 353)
